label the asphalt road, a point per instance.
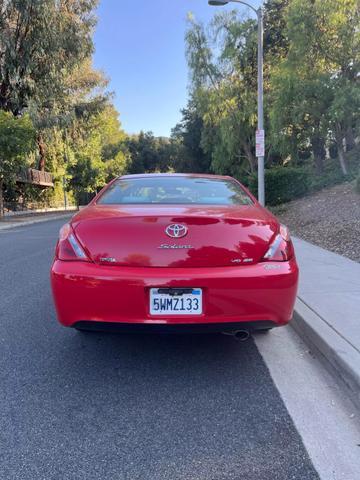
(102, 406)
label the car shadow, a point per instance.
(173, 358)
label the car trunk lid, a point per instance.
(140, 236)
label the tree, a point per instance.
(148, 153)
(298, 113)
(224, 89)
(189, 155)
(117, 166)
(42, 42)
(17, 139)
(315, 89)
(112, 136)
(343, 116)
(87, 172)
(276, 42)
(46, 71)
(96, 152)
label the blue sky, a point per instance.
(140, 47)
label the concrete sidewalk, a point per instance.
(19, 221)
(26, 213)
(327, 312)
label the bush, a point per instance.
(283, 184)
(332, 174)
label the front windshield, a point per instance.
(174, 190)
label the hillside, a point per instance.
(329, 218)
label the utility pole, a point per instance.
(260, 145)
(64, 190)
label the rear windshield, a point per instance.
(174, 190)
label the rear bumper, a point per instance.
(85, 292)
(178, 328)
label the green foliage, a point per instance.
(149, 153)
(283, 184)
(46, 69)
(86, 171)
(312, 95)
(224, 90)
(287, 183)
(315, 92)
(40, 42)
(188, 154)
(112, 136)
(17, 138)
(117, 166)
(94, 153)
(276, 42)
(331, 175)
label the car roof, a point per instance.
(167, 175)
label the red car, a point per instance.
(174, 252)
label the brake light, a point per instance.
(68, 247)
(281, 249)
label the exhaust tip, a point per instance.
(242, 335)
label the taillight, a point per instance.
(281, 249)
(68, 247)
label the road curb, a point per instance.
(337, 352)
(32, 221)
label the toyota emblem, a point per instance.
(176, 230)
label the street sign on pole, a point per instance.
(260, 143)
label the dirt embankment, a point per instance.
(329, 218)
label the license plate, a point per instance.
(166, 302)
